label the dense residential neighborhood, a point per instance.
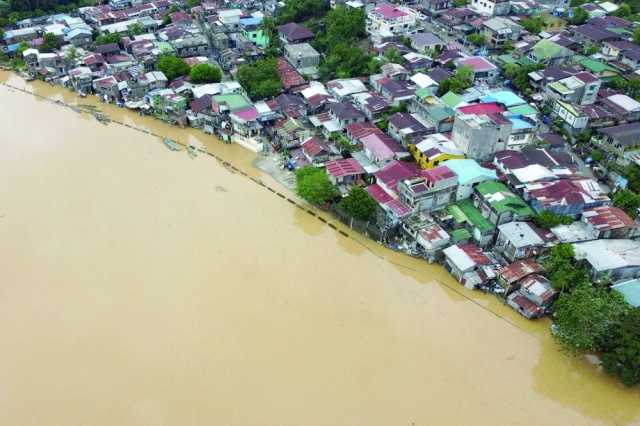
(498, 138)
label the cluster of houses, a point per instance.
(458, 177)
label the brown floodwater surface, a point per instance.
(141, 287)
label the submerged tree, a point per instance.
(359, 204)
(313, 185)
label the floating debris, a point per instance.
(171, 144)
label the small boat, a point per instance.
(171, 144)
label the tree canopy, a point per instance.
(135, 29)
(205, 73)
(563, 272)
(534, 24)
(477, 39)
(548, 219)
(301, 10)
(622, 349)
(579, 17)
(359, 204)
(107, 39)
(457, 83)
(519, 76)
(628, 201)
(260, 79)
(585, 317)
(172, 66)
(313, 185)
(346, 60)
(51, 42)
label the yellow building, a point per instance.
(433, 150)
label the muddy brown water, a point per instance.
(141, 287)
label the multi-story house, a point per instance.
(491, 7)
(581, 88)
(433, 190)
(480, 136)
(499, 30)
(389, 21)
(304, 58)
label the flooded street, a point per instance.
(141, 287)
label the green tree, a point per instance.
(301, 10)
(260, 79)
(548, 219)
(270, 30)
(313, 185)
(624, 10)
(359, 204)
(562, 269)
(172, 66)
(51, 42)
(477, 39)
(135, 29)
(457, 83)
(460, 3)
(193, 3)
(585, 317)
(636, 35)
(393, 56)
(345, 61)
(622, 349)
(343, 25)
(628, 201)
(533, 25)
(71, 57)
(107, 39)
(205, 73)
(579, 17)
(519, 76)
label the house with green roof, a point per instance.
(604, 71)
(525, 110)
(466, 216)
(257, 37)
(451, 99)
(499, 205)
(547, 52)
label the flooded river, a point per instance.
(141, 287)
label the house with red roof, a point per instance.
(469, 264)
(483, 70)
(565, 196)
(610, 222)
(316, 150)
(431, 190)
(344, 171)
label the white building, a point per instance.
(389, 21)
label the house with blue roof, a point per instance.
(522, 131)
(630, 290)
(469, 173)
(79, 37)
(505, 97)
